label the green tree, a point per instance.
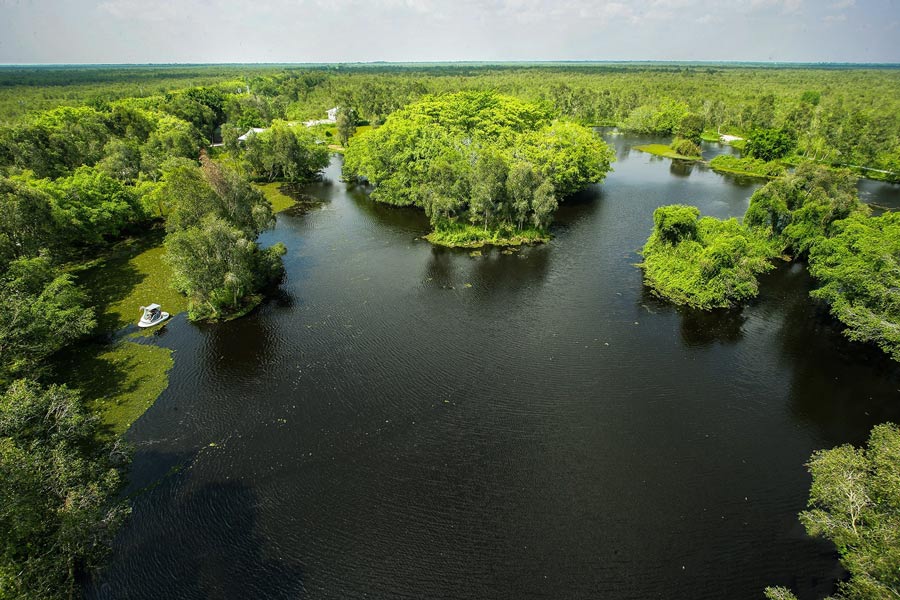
(770, 144)
(854, 502)
(42, 313)
(520, 186)
(543, 205)
(690, 127)
(187, 194)
(285, 152)
(675, 223)
(171, 138)
(858, 269)
(90, 207)
(802, 207)
(26, 222)
(121, 159)
(705, 263)
(58, 507)
(488, 187)
(346, 124)
(219, 268)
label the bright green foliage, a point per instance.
(219, 268)
(122, 159)
(690, 128)
(346, 125)
(859, 271)
(42, 312)
(801, 207)
(188, 194)
(464, 235)
(58, 511)
(567, 155)
(705, 263)
(285, 152)
(750, 167)
(90, 207)
(54, 142)
(769, 144)
(665, 118)
(686, 147)
(478, 157)
(854, 501)
(172, 138)
(675, 223)
(197, 114)
(215, 216)
(26, 222)
(779, 593)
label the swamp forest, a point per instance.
(450, 330)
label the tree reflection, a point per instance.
(183, 541)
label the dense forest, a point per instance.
(839, 116)
(92, 159)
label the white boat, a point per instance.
(152, 316)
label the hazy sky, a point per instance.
(141, 31)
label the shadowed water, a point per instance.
(403, 421)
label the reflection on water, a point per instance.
(681, 168)
(403, 420)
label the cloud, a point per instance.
(842, 4)
(834, 18)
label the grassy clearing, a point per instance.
(462, 235)
(665, 151)
(278, 199)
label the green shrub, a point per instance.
(705, 263)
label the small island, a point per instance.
(487, 169)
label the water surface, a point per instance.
(404, 421)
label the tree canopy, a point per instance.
(43, 312)
(854, 502)
(478, 157)
(58, 510)
(858, 269)
(214, 217)
(801, 207)
(704, 262)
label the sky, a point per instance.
(301, 31)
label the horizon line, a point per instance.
(451, 62)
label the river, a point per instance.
(404, 421)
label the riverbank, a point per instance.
(462, 235)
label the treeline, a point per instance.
(812, 214)
(478, 163)
(839, 116)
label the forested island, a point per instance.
(123, 185)
(486, 168)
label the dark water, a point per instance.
(410, 422)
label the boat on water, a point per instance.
(153, 315)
